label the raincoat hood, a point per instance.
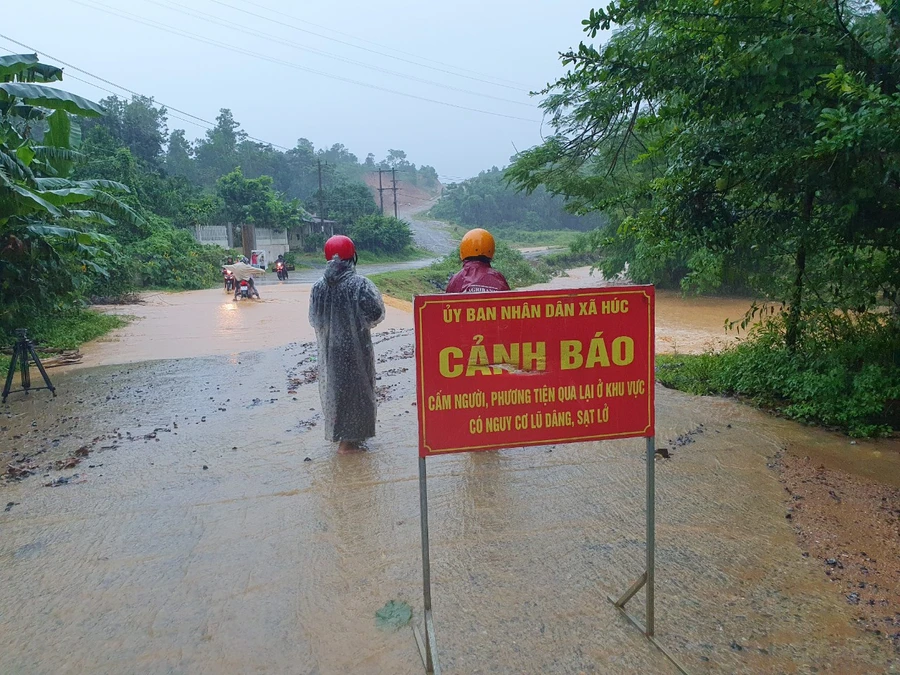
(338, 270)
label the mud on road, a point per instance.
(211, 529)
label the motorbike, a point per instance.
(229, 280)
(244, 293)
(281, 271)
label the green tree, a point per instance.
(216, 154)
(381, 233)
(729, 107)
(346, 202)
(136, 124)
(49, 253)
(179, 156)
(254, 201)
(488, 201)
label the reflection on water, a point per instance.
(207, 323)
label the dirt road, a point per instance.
(207, 527)
(431, 235)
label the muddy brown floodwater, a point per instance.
(201, 524)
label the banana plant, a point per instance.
(47, 220)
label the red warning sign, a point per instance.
(502, 370)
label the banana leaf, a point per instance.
(50, 97)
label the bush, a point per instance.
(314, 243)
(172, 258)
(66, 330)
(433, 279)
(381, 233)
(845, 373)
(516, 268)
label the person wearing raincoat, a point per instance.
(242, 271)
(476, 250)
(343, 309)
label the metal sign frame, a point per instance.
(425, 638)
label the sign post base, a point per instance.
(646, 580)
(427, 645)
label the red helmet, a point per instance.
(340, 246)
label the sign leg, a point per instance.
(651, 531)
(426, 645)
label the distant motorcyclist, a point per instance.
(476, 250)
(281, 267)
(343, 309)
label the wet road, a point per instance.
(211, 529)
(431, 235)
(205, 323)
(306, 275)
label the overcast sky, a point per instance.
(284, 72)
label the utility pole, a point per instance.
(321, 196)
(380, 190)
(394, 181)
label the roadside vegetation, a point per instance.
(520, 219)
(406, 284)
(98, 200)
(64, 332)
(759, 154)
(525, 238)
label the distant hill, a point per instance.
(410, 198)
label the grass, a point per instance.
(692, 373)
(516, 238)
(407, 284)
(64, 331)
(433, 279)
(847, 380)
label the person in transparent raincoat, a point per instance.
(343, 309)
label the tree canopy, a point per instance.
(488, 201)
(748, 145)
(753, 134)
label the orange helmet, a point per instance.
(476, 243)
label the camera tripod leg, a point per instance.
(9, 375)
(23, 362)
(40, 367)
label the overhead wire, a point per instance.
(496, 81)
(178, 114)
(244, 30)
(238, 50)
(169, 114)
(129, 91)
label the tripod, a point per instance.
(22, 352)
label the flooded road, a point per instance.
(207, 323)
(309, 275)
(209, 528)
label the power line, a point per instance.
(188, 118)
(239, 50)
(129, 91)
(115, 93)
(497, 81)
(244, 30)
